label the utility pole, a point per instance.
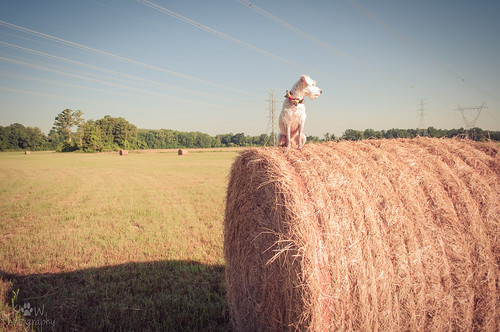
(271, 124)
(472, 122)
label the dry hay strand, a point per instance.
(123, 152)
(182, 152)
(388, 235)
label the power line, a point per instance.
(471, 123)
(133, 79)
(323, 43)
(78, 100)
(417, 49)
(421, 114)
(220, 34)
(252, 47)
(18, 62)
(271, 124)
(120, 58)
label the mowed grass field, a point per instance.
(109, 242)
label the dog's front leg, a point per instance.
(288, 139)
(300, 137)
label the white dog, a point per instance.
(293, 113)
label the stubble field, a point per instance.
(106, 242)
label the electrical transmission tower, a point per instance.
(471, 123)
(271, 124)
(421, 113)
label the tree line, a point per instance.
(72, 133)
(476, 134)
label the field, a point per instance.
(106, 242)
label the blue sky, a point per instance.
(209, 65)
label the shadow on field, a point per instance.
(154, 296)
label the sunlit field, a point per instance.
(102, 241)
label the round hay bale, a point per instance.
(182, 152)
(27, 152)
(123, 152)
(388, 235)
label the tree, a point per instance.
(328, 137)
(55, 140)
(65, 121)
(79, 122)
(36, 139)
(264, 139)
(352, 135)
(4, 138)
(369, 133)
(91, 137)
(397, 133)
(239, 139)
(225, 139)
(18, 137)
(203, 140)
(313, 139)
(117, 133)
(433, 132)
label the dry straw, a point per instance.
(182, 152)
(387, 235)
(123, 152)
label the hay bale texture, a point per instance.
(182, 152)
(123, 152)
(382, 235)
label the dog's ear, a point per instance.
(303, 78)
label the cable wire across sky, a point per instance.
(208, 66)
(418, 49)
(117, 57)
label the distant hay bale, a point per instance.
(27, 152)
(123, 152)
(182, 152)
(388, 235)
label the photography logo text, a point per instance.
(28, 315)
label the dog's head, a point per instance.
(308, 86)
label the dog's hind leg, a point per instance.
(282, 140)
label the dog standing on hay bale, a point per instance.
(293, 113)
(382, 235)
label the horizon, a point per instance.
(209, 66)
(320, 137)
